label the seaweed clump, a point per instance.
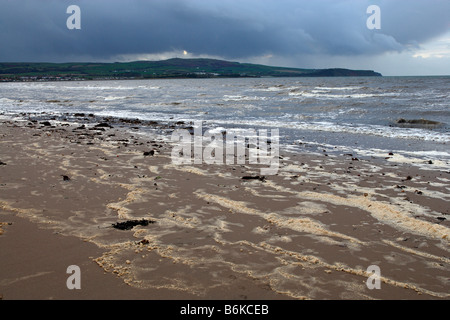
(128, 225)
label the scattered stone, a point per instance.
(430, 162)
(440, 219)
(128, 225)
(260, 178)
(149, 153)
(418, 121)
(82, 115)
(144, 241)
(2, 163)
(46, 123)
(65, 178)
(103, 125)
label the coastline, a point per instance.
(308, 232)
(175, 68)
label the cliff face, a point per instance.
(172, 68)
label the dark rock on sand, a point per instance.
(418, 123)
(65, 178)
(2, 163)
(128, 225)
(46, 123)
(149, 153)
(131, 121)
(103, 125)
(144, 241)
(260, 178)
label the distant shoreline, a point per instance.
(165, 69)
(174, 78)
(161, 78)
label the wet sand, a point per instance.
(308, 232)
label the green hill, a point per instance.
(171, 68)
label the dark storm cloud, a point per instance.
(35, 30)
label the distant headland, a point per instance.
(171, 68)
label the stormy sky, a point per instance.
(414, 38)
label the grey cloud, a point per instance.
(35, 30)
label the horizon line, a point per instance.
(204, 58)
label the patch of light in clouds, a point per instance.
(438, 48)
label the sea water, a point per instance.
(357, 115)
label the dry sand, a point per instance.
(309, 232)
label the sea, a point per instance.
(365, 116)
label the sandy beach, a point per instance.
(202, 231)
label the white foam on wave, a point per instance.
(325, 95)
(98, 87)
(7, 101)
(145, 116)
(275, 88)
(375, 130)
(242, 98)
(338, 88)
(112, 98)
